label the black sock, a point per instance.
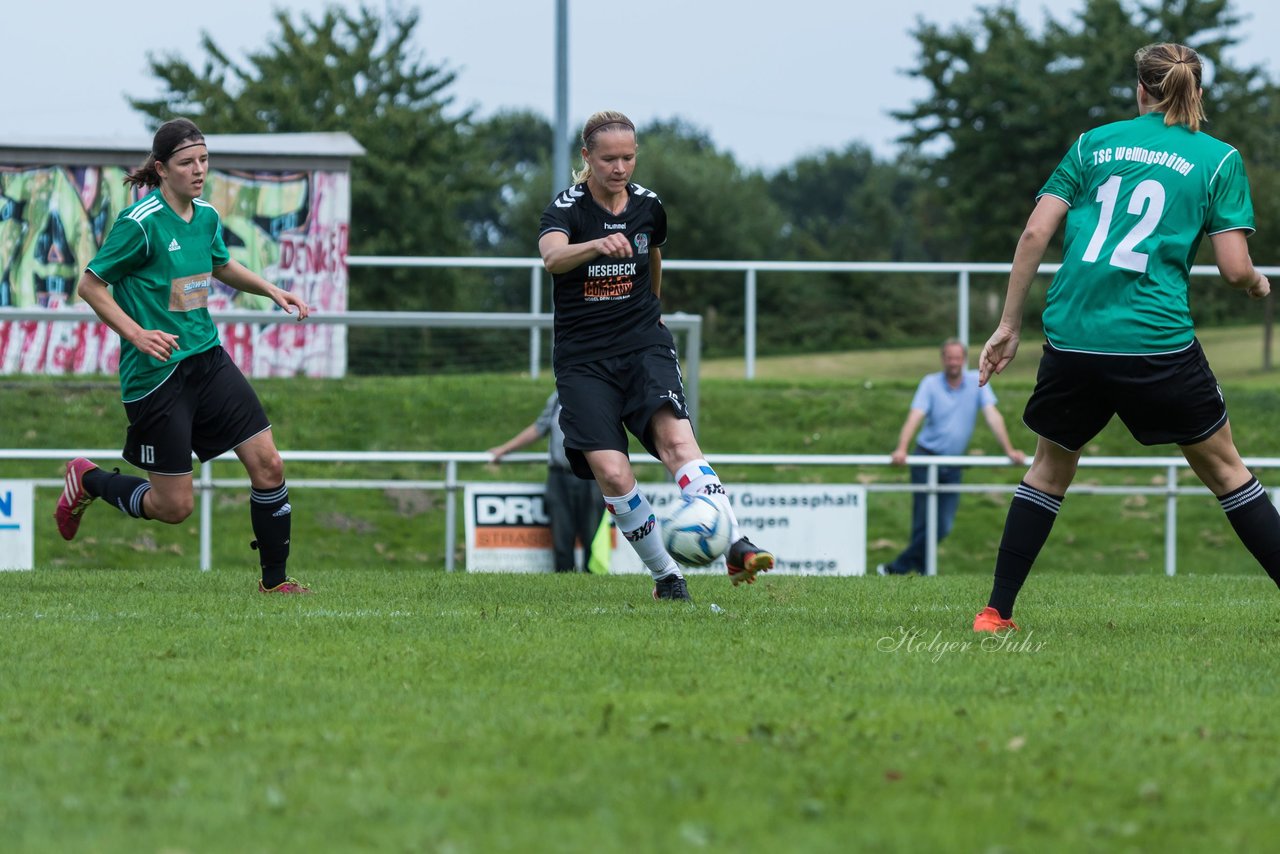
(1256, 523)
(1030, 519)
(271, 515)
(123, 491)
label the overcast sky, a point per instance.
(769, 81)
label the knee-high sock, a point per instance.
(699, 478)
(1256, 523)
(1031, 517)
(123, 491)
(633, 515)
(271, 516)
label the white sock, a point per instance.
(633, 516)
(699, 478)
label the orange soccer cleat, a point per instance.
(287, 586)
(989, 620)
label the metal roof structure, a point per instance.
(226, 151)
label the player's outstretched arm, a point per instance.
(1003, 344)
(240, 277)
(1231, 250)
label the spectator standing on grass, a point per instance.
(150, 282)
(947, 403)
(615, 362)
(574, 506)
(1137, 197)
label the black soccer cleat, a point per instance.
(671, 586)
(745, 559)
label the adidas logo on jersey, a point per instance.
(173, 245)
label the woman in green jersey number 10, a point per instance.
(150, 282)
(1137, 196)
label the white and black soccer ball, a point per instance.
(696, 532)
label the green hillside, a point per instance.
(817, 410)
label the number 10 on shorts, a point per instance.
(148, 454)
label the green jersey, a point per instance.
(1141, 197)
(160, 268)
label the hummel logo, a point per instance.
(173, 245)
(283, 511)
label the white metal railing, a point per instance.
(451, 485)
(535, 320)
(689, 324)
(750, 271)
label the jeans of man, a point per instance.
(912, 558)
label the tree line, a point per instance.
(1005, 101)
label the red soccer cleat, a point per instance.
(989, 620)
(74, 498)
(288, 586)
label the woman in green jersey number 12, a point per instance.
(1137, 196)
(150, 282)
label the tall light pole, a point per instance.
(559, 153)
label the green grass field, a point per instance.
(151, 707)
(148, 710)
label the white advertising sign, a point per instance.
(812, 529)
(507, 528)
(17, 524)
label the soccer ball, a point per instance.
(696, 532)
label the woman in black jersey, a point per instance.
(615, 362)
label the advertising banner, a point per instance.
(811, 529)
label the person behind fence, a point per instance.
(947, 403)
(615, 362)
(574, 506)
(150, 282)
(1137, 197)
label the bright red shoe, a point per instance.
(745, 559)
(74, 498)
(288, 586)
(989, 620)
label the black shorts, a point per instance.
(599, 399)
(1162, 399)
(205, 406)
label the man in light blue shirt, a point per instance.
(947, 403)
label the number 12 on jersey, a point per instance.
(1146, 200)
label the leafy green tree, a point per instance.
(1006, 103)
(421, 189)
(716, 210)
(848, 206)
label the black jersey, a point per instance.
(606, 307)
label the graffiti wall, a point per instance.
(290, 227)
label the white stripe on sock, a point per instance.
(1249, 493)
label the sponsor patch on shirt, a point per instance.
(190, 292)
(609, 282)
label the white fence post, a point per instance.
(206, 516)
(931, 523)
(749, 324)
(1171, 521)
(535, 332)
(450, 513)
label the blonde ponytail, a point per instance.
(1171, 75)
